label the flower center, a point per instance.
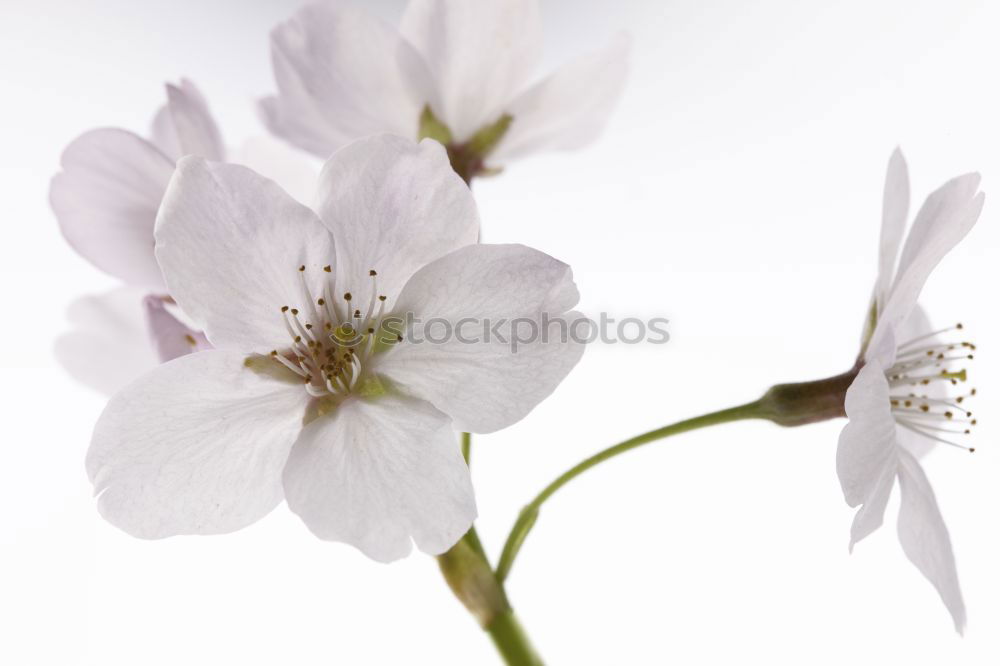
(922, 364)
(333, 338)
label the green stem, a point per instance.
(468, 573)
(466, 446)
(529, 514)
(511, 641)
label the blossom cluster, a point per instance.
(265, 343)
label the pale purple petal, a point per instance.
(231, 244)
(107, 345)
(868, 442)
(341, 75)
(485, 385)
(376, 474)
(196, 446)
(925, 539)
(168, 335)
(895, 207)
(393, 206)
(568, 109)
(871, 513)
(481, 54)
(106, 198)
(295, 171)
(194, 131)
(946, 217)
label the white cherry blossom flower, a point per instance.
(307, 395)
(456, 71)
(899, 404)
(105, 199)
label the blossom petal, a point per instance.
(184, 126)
(170, 336)
(868, 442)
(106, 199)
(295, 171)
(108, 344)
(570, 108)
(341, 75)
(480, 54)
(376, 474)
(895, 207)
(924, 536)
(945, 218)
(393, 206)
(231, 243)
(487, 384)
(871, 513)
(194, 447)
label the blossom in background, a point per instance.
(898, 405)
(455, 71)
(307, 394)
(105, 199)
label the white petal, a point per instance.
(485, 385)
(194, 447)
(895, 207)
(924, 537)
(480, 54)
(170, 337)
(868, 441)
(945, 218)
(108, 345)
(393, 206)
(163, 135)
(106, 199)
(186, 125)
(295, 171)
(342, 75)
(570, 108)
(231, 243)
(870, 515)
(378, 474)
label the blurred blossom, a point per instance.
(308, 395)
(898, 406)
(456, 71)
(106, 200)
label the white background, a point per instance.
(737, 192)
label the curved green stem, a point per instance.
(529, 514)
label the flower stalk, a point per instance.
(468, 573)
(792, 404)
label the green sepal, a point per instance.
(486, 139)
(432, 128)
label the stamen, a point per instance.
(912, 341)
(923, 432)
(923, 414)
(331, 363)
